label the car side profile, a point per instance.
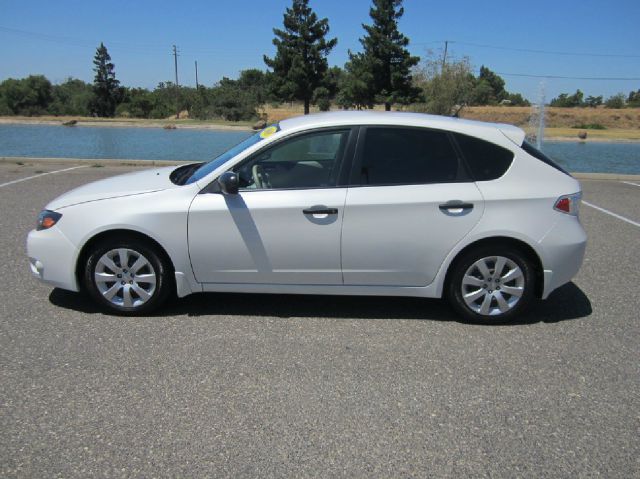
(356, 203)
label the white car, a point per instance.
(355, 203)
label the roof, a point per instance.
(459, 125)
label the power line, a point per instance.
(77, 42)
(530, 50)
(118, 44)
(569, 78)
(550, 52)
(206, 51)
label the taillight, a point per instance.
(569, 204)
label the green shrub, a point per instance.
(590, 126)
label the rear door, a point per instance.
(410, 203)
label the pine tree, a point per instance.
(382, 72)
(300, 64)
(106, 89)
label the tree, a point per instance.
(106, 89)
(593, 101)
(137, 103)
(27, 96)
(447, 85)
(72, 97)
(356, 85)
(634, 99)
(493, 86)
(300, 64)
(568, 101)
(516, 99)
(616, 101)
(230, 101)
(382, 72)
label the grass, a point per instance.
(609, 134)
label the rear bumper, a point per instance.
(52, 258)
(564, 247)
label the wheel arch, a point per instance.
(121, 233)
(497, 241)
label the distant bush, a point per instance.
(516, 99)
(616, 101)
(565, 100)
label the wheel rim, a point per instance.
(125, 278)
(493, 286)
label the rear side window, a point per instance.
(395, 156)
(485, 160)
(533, 151)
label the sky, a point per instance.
(561, 38)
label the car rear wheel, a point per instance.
(127, 277)
(491, 285)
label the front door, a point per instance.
(284, 225)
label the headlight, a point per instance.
(46, 219)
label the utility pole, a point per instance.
(196, 74)
(175, 61)
(444, 57)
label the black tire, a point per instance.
(155, 265)
(488, 255)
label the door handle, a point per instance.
(320, 211)
(455, 207)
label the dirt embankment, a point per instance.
(608, 118)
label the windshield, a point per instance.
(208, 167)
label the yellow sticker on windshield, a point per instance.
(267, 132)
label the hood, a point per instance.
(134, 183)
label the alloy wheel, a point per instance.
(125, 278)
(493, 285)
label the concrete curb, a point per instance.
(604, 176)
(97, 161)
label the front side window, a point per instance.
(396, 156)
(306, 161)
(210, 166)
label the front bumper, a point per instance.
(52, 258)
(564, 247)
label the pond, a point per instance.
(201, 145)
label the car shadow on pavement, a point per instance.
(567, 302)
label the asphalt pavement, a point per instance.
(234, 385)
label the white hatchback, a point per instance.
(356, 203)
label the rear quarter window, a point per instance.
(533, 151)
(486, 161)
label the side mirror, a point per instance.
(229, 183)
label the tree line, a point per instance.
(382, 73)
(619, 100)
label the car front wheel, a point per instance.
(126, 277)
(491, 285)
